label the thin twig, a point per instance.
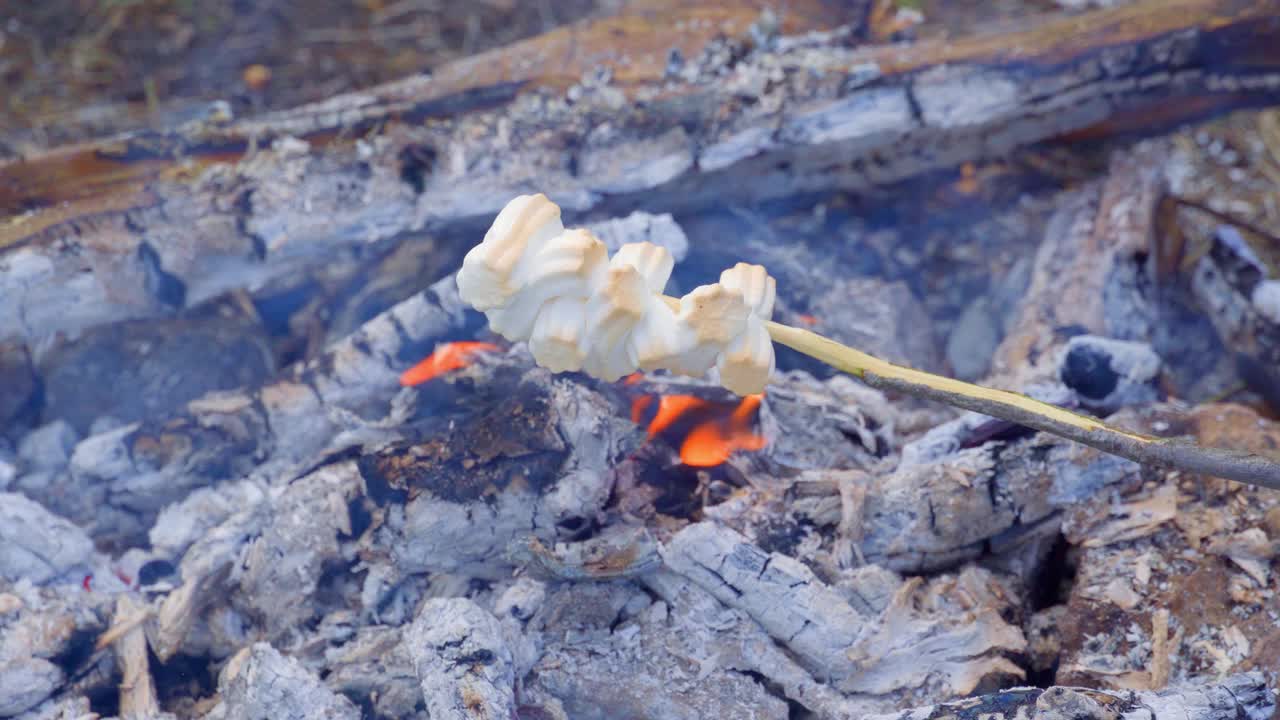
(1175, 454)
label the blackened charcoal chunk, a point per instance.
(1109, 374)
(1088, 371)
(20, 392)
(155, 571)
(148, 369)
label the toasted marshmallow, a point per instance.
(488, 277)
(569, 265)
(748, 360)
(579, 309)
(612, 314)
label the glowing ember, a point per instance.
(807, 319)
(446, 358)
(968, 182)
(638, 406)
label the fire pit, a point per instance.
(260, 457)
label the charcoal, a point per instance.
(8, 468)
(1109, 374)
(137, 370)
(534, 460)
(19, 388)
(131, 473)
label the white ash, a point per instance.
(37, 626)
(261, 684)
(8, 468)
(25, 682)
(180, 525)
(674, 658)
(64, 708)
(463, 664)
(281, 566)
(1266, 300)
(375, 665)
(781, 593)
(49, 446)
(38, 546)
(661, 230)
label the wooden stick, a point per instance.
(1176, 454)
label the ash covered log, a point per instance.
(903, 645)
(526, 453)
(1238, 696)
(261, 684)
(117, 480)
(38, 546)
(1089, 279)
(46, 639)
(464, 666)
(138, 226)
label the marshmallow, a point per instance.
(580, 310)
(748, 360)
(486, 279)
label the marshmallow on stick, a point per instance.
(578, 309)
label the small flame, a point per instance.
(807, 319)
(446, 358)
(633, 378)
(711, 441)
(670, 408)
(638, 406)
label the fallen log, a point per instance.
(145, 225)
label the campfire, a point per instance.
(685, 361)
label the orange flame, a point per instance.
(633, 378)
(711, 441)
(807, 319)
(446, 358)
(638, 406)
(670, 408)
